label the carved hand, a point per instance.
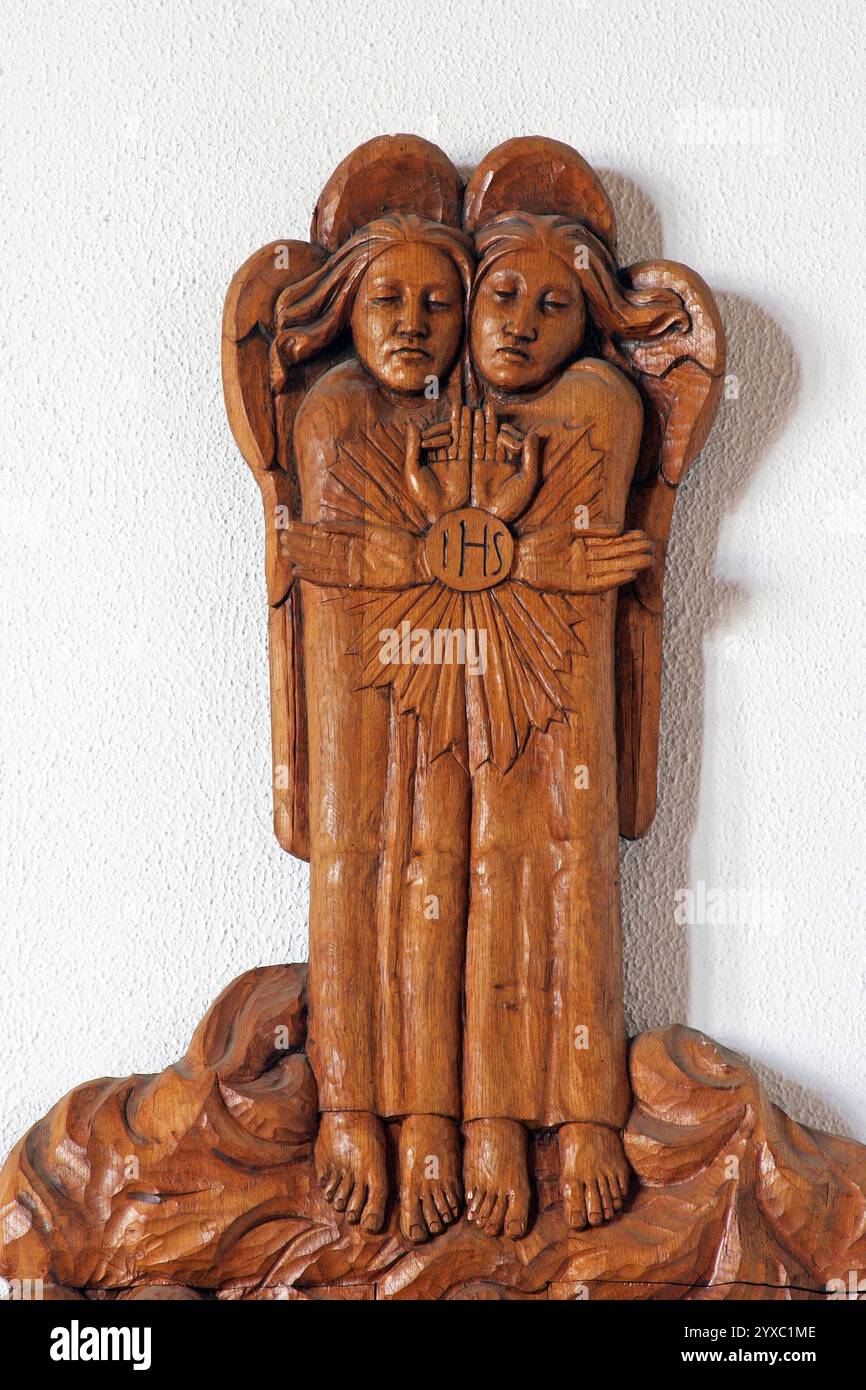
(563, 561)
(440, 483)
(354, 555)
(505, 466)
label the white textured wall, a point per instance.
(150, 148)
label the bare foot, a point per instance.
(496, 1177)
(430, 1185)
(351, 1166)
(594, 1174)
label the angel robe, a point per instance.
(465, 955)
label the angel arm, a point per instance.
(561, 560)
(353, 555)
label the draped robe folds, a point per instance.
(465, 955)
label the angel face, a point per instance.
(407, 320)
(527, 320)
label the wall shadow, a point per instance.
(761, 393)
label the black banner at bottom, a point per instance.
(257, 1339)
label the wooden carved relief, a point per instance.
(480, 495)
(468, 423)
(467, 517)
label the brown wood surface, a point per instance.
(489, 460)
(200, 1182)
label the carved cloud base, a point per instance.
(198, 1182)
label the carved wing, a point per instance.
(262, 427)
(681, 379)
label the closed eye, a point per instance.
(505, 294)
(555, 304)
(386, 299)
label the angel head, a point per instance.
(401, 284)
(539, 280)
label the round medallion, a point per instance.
(469, 550)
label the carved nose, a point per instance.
(412, 322)
(521, 333)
